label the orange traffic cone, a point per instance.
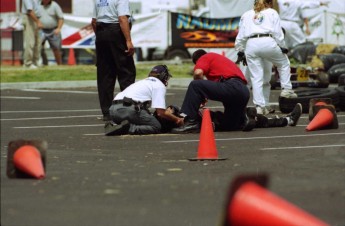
(71, 57)
(325, 118)
(26, 159)
(207, 145)
(253, 205)
(317, 102)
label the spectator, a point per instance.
(32, 25)
(52, 20)
(292, 20)
(114, 49)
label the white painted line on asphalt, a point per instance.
(304, 147)
(43, 118)
(62, 126)
(48, 111)
(256, 138)
(95, 134)
(58, 91)
(21, 98)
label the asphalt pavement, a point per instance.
(92, 179)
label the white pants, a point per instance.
(294, 34)
(261, 53)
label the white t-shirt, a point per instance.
(50, 15)
(30, 5)
(149, 89)
(265, 22)
(108, 11)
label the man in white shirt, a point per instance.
(130, 109)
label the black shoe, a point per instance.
(250, 122)
(112, 129)
(190, 126)
(295, 114)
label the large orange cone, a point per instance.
(207, 145)
(71, 57)
(253, 205)
(325, 118)
(26, 159)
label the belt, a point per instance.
(137, 105)
(101, 24)
(117, 101)
(260, 35)
(232, 78)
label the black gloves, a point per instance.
(284, 50)
(241, 57)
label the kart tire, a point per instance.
(341, 80)
(323, 79)
(286, 105)
(341, 94)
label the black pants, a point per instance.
(141, 122)
(264, 122)
(233, 93)
(112, 63)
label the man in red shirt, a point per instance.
(225, 83)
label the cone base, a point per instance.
(207, 159)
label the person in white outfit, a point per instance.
(292, 19)
(261, 41)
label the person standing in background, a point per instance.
(114, 49)
(292, 20)
(32, 25)
(52, 20)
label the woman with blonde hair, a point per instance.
(261, 42)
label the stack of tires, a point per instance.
(332, 63)
(337, 95)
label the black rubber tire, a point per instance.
(323, 79)
(286, 105)
(341, 80)
(341, 94)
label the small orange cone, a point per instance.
(71, 57)
(207, 145)
(325, 118)
(252, 205)
(26, 159)
(317, 102)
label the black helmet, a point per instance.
(161, 72)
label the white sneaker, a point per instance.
(288, 93)
(261, 110)
(31, 66)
